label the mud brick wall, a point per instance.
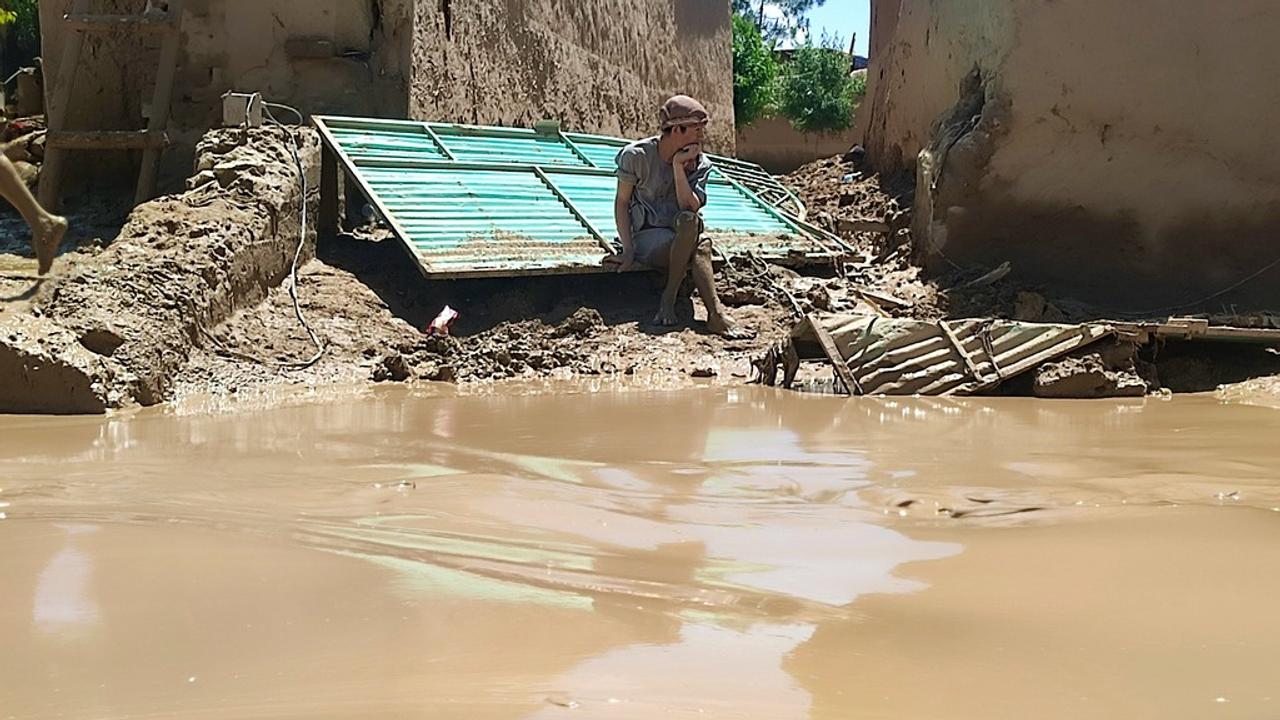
(600, 66)
(1124, 152)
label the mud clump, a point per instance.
(1111, 370)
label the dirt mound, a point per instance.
(179, 265)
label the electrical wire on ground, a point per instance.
(320, 348)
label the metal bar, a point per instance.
(479, 165)
(439, 143)
(959, 348)
(1089, 335)
(354, 172)
(576, 150)
(778, 214)
(829, 348)
(582, 218)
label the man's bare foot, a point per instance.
(47, 237)
(729, 330)
(666, 316)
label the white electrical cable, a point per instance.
(296, 151)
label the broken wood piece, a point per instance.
(991, 277)
(862, 225)
(883, 297)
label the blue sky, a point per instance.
(843, 18)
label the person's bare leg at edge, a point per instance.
(47, 229)
(692, 254)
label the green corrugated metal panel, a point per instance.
(601, 151)
(513, 145)
(475, 201)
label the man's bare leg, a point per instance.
(704, 278)
(47, 229)
(682, 247)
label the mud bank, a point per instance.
(112, 328)
(370, 306)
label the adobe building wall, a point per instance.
(1120, 152)
(774, 144)
(599, 66)
(320, 56)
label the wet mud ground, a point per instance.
(398, 551)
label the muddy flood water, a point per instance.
(735, 553)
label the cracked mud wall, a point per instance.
(1123, 153)
(320, 56)
(600, 66)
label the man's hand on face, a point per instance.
(687, 155)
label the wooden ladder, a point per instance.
(153, 140)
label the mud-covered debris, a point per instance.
(584, 322)
(1104, 372)
(393, 368)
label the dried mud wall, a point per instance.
(320, 56)
(1121, 152)
(600, 66)
(117, 326)
(774, 144)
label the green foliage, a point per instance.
(816, 90)
(20, 26)
(788, 20)
(754, 73)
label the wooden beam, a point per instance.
(160, 104)
(135, 24)
(106, 140)
(328, 221)
(58, 100)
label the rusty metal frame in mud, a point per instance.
(494, 153)
(881, 356)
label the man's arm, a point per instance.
(685, 195)
(622, 218)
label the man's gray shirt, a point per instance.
(654, 203)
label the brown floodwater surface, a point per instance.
(742, 553)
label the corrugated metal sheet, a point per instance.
(889, 356)
(601, 150)
(472, 201)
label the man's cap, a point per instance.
(682, 110)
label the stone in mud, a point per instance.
(1086, 377)
(393, 368)
(46, 370)
(582, 323)
(1033, 307)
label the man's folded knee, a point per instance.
(685, 218)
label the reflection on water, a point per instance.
(728, 553)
